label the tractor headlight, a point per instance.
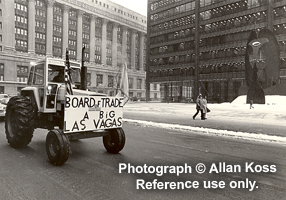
(49, 90)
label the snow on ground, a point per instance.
(209, 131)
(272, 113)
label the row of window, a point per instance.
(41, 24)
(231, 9)
(57, 10)
(162, 3)
(118, 10)
(208, 69)
(173, 36)
(190, 19)
(254, 18)
(85, 45)
(173, 11)
(215, 12)
(72, 32)
(72, 42)
(279, 29)
(85, 36)
(41, 13)
(22, 73)
(21, 7)
(113, 80)
(42, 36)
(57, 50)
(279, 12)
(40, 48)
(234, 22)
(72, 23)
(57, 39)
(21, 31)
(21, 19)
(215, 54)
(58, 18)
(21, 43)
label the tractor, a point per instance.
(56, 99)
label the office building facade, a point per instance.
(111, 34)
(198, 46)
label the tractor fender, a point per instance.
(33, 94)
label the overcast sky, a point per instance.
(139, 6)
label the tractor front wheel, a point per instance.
(57, 147)
(20, 121)
(115, 140)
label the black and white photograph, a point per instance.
(142, 99)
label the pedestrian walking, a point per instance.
(203, 104)
(251, 104)
(198, 107)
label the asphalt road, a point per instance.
(92, 173)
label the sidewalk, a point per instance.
(267, 119)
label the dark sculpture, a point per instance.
(261, 64)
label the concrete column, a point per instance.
(230, 95)
(31, 26)
(197, 47)
(133, 37)
(79, 35)
(114, 44)
(141, 51)
(65, 37)
(103, 41)
(8, 27)
(124, 44)
(222, 90)
(270, 17)
(49, 30)
(92, 39)
(210, 91)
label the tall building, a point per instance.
(111, 34)
(198, 46)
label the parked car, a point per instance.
(2, 111)
(4, 98)
(134, 98)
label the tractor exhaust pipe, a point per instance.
(83, 72)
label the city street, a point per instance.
(92, 173)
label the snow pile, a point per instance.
(269, 100)
(210, 131)
(239, 100)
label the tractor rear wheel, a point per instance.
(20, 121)
(57, 147)
(115, 140)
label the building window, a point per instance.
(110, 81)
(88, 79)
(130, 83)
(155, 86)
(99, 79)
(1, 72)
(139, 83)
(22, 73)
(97, 58)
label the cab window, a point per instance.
(39, 75)
(31, 75)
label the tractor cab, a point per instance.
(47, 81)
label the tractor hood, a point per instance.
(87, 93)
